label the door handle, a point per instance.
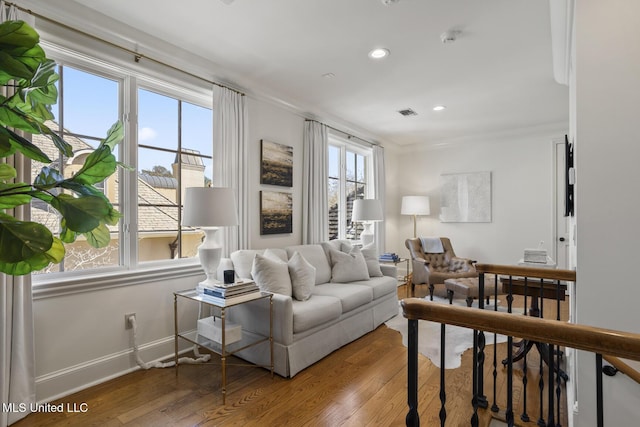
(562, 239)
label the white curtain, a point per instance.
(230, 160)
(17, 354)
(315, 207)
(379, 184)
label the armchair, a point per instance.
(432, 268)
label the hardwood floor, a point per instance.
(363, 383)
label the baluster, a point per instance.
(495, 407)
(482, 399)
(412, 419)
(509, 411)
(443, 394)
(599, 395)
(474, 399)
(525, 380)
(558, 356)
(551, 417)
(541, 421)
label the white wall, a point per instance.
(275, 124)
(522, 175)
(605, 116)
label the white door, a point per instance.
(562, 222)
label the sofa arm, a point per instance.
(389, 270)
(254, 316)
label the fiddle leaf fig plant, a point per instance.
(29, 78)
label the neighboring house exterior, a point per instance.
(158, 209)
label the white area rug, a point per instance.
(457, 339)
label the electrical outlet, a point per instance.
(127, 323)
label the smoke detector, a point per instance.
(449, 36)
(389, 2)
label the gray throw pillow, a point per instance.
(348, 267)
(373, 263)
(271, 275)
(303, 277)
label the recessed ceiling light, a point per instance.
(378, 53)
(439, 108)
(328, 75)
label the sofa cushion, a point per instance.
(348, 267)
(341, 245)
(351, 296)
(316, 257)
(271, 275)
(303, 277)
(316, 311)
(243, 262)
(380, 286)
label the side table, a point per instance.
(224, 350)
(401, 279)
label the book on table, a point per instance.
(234, 299)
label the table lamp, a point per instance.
(415, 205)
(367, 211)
(209, 208)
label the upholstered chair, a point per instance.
(432, 266)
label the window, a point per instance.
(349, 168)
(88, 104)
(175, 151)
(171, 150)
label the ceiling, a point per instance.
(496, 78)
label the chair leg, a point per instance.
(450, 296)
(432, 288)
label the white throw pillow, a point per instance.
(371, 258)
(303, 277)
(271, 275)
(348, 267)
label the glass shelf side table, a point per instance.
(222, 348)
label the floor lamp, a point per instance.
(415, 205)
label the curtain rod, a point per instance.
(136, 55)
(349, 136)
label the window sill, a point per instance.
(55, 287)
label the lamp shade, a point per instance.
(415, 205)
(209, 207)
(366, 210)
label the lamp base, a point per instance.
(367, 237)
(209, 254)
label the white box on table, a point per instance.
(211, 328)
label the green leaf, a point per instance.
(115, 135)
(17, 34)
(99, 165)
(14, 194)
(82, 189)
(66, 235)
(36, 262)
(7, 172)
(82, 214)
(23, 145)
(13, 68)
(21, 240)
(99, 237)
(48, 178)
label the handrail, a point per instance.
(537, 272)
(581, 337)
(623, 367)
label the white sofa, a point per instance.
(336, 313)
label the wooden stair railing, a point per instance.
(615, 344)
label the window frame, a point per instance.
(129, 271)
(346, 145)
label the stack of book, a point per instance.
(389, 257)
(232, 293)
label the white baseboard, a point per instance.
(72, 379)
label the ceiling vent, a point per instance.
(407, 112)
